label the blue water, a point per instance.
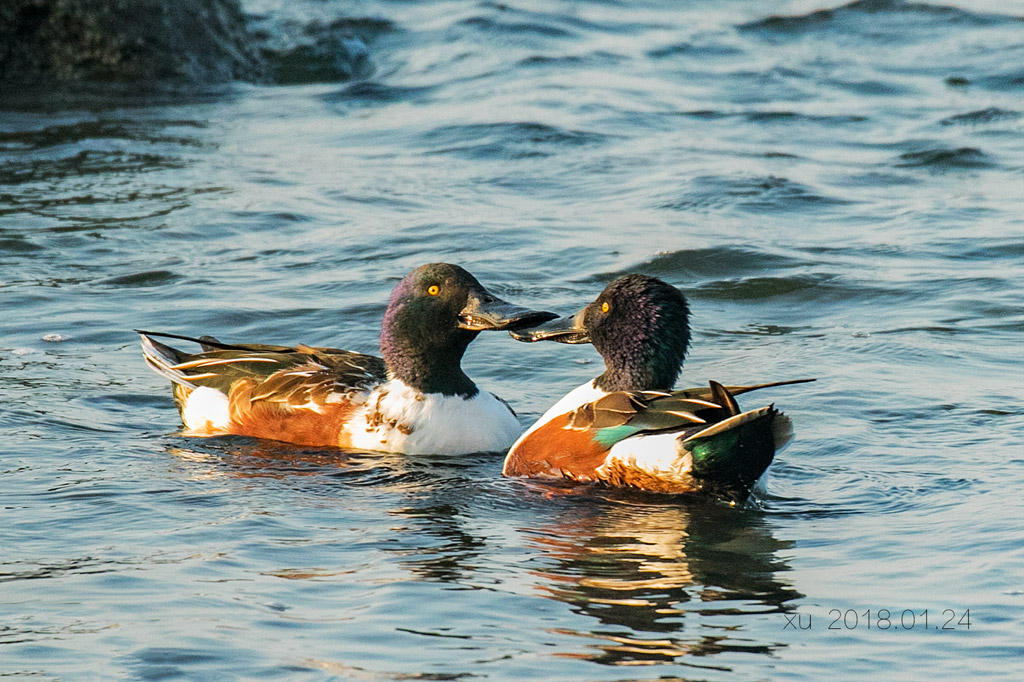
(839, 190)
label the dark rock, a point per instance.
(191, 42)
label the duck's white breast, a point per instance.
(397, 418)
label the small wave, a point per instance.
(516, 28)
(374, 92)
(990, 115)
(86, 162)
(1012, 81)
(695, 50)
(991, 250)
(720, 261)
(735, 279)
(783, 117)
(945, 158)
(797, 117)
(168, 662)
(591, 59)
(756, 288)
(768, 330)
(150, 278)
(508, 140)
(830, 492)
(758, 193)
(33, 570)
(152, 131)
(529, 131)
(872, 87)
(309, 468)
(861, 17)
(19, 245)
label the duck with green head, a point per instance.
(413, 399)
(628, 427)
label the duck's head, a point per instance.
(432, 316)
(639, 324)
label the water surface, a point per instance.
(839, 189)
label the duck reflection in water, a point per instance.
(658, 576)
(244, 457)
(427, 530)
(662, 580)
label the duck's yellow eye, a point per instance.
(605, 307)
(433, 290)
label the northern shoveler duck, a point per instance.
(628, 427)
(416, 399)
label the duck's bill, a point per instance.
(489, 312)
(562, 330)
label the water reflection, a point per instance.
(655, 579)
(423, 514)
(660, 580)
(244, 458)
(439, 548)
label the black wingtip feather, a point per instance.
(207, 343)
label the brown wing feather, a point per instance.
(613, 409)
(281, 420)
(308, 402)
(721, 395)
(651, 411)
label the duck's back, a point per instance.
(301, 395)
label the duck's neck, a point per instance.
(429, 370)
(626, 377)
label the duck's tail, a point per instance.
(165, 360)
(732, 454)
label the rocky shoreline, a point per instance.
(46, 44)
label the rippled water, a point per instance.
(840, 193)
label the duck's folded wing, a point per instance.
(301, 395)
(619, 415)
(276, 373)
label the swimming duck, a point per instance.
(628, 427)
(413, 399)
